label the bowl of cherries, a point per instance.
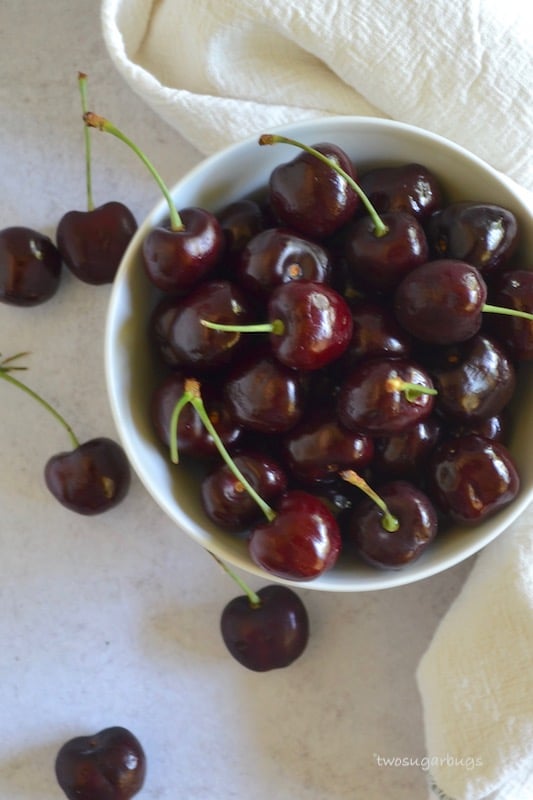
(318, 354)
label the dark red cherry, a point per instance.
(265, 395)
(371, 399)
(225, 499)
(270, 635)
(309, 196)
(470, 478)
(494, 428)
(514, 289)
(301, 542)
(192, 437)
(377, 263)
(177, 260)
(404, 455)
(375, 333)
(278, 255)
(482, 234)
(441, 302)
(313, 324)
(393, 549)
(477, 381)
(407, 187)
(240, 221)
(92, 243)
(108, 765)
(181, 339)
(30, 267)
(319, 447)
(90, 479)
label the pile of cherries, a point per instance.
(336, 331)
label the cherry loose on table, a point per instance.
(92, 243)
(108, 765)
(90, 479)
(30, 267)
(268, 634)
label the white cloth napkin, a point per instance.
(220, 70)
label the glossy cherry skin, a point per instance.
(30, 267)
(477, 382)
(108, 765)
(513, 289)
(482, 234)
(193, 439)
(375, 333)
(470, 478)
(227, 502)
(240, 221)
(309, 196)
(494, 428)
(269, 636)
(378, 263)
(92, 243)
(441, 302)
(301, 543)
(319, 447)
(404, 455)
(179, 336)
(316, 324)
(407, 187)
(263, 394)
(394, 549)
(369, 404)
(90, 479)
(278, 255)
(177, 260)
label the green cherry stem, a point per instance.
(193, 396)
(93, 120)
(389, 521)
(253, 597)
(510, 312)
(82, 85)
(380, 229)
(7, 367)
(412, 391)
(276, 326)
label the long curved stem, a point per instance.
(389, 521)
(380, 229)
(96, 121)
(82, 84)
(253, 597)
(192, 395)
(5, 374)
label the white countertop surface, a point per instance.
(113, 620)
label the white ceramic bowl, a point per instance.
(230, 175)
